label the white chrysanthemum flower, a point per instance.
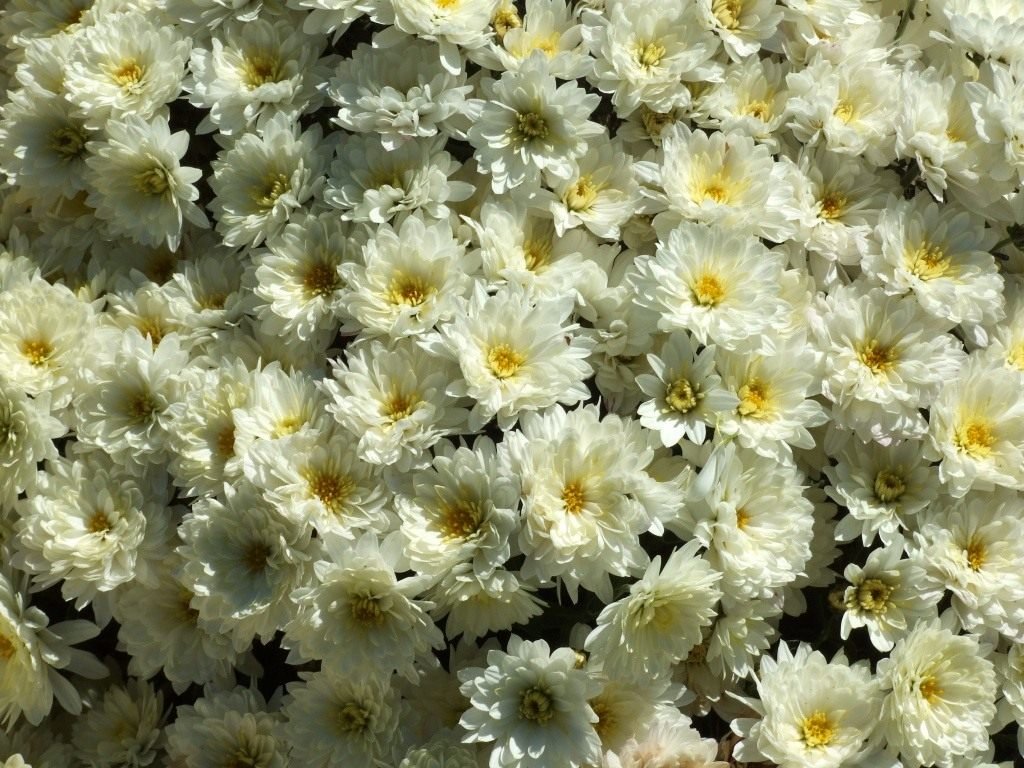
(127, 65)
(941, 256)
(335, 16)
(743, 25)
(976, 429)
(974, 548)
(253, 71)
(474, 605)
(460, 509)
(814, 713)
(412, 277)
(549, 26)
(532, 703)
(33, 656)
(686, 393)
(722, 287)
(44, 330)
(644, 49)
(998, 105)
(1006, 343)
(940, 696)
(660, 621)
(742, 631)
(751, 514)
(373, 184)
(529, 123)
(359, 617)
(139, 187)
(441, 753)
(393, 399)
(453, 26)
(883, 489)
(242, 561)
(262, 179)
(516, 354)
(601, 195)
(27, 432)
(990, 27)
(161, 632)
(664, 741)
(1010, 669)
(750, 100)
(93, 527)
(887, 595)
(121, 729)
(885, 360)
(337, 721)
(397, 92)
(225, 726)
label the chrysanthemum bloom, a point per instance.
(976, 428)
(530, 124)
(27, 432)
(397, 92)
(515, 353)
(33, 656)
(549, 26)
(998, 106)
(123, 728)
(224, 726)
(335, 16)
(974, 548)
(660, 621)
(532, 703)
(666, 740)
(262, 179)
(888, 596)
(393, 400)
(338, 721)
(742, 25)
(359, 617)
(139, 187)
(127, 65)
(601, 195)
(454, 27)
(441, 753)
(814, 713)
(939, 696)
(474, 605)
(750, 101)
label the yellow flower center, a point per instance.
(889, 486)
(329, 488)
(128, 74)
(151, 326)
(67, 142)
(446, 3)
(225, 441)
(873, 596)
(142, 406)
(37, 351)
(844, 110)
(261, 69)
(399, 405)
(153, 181)
(6, 647)
(212, 301)
(1015, 356)
(366, 610)
(654, 122)
(727, 12)
(98, 522)
(928, 261)
(708, 290)
(976, 553)
(929, 689)
(531, 125)
(817, 730)
(753, 399)
(573, 497)
(606, 720)
(256, 556)
(832, 205)
(289, 425)
(506, 18)
(536, 705)
(649, 55)
(536, 254)
(320, 280)
(582, 194)
(461, 519)
(353, 718)
(680, 396)
(716, 189)
(974, 437)
(877, 357)
(266, 195)
(504, 361)
(762, 110)
(410, 290)
(742, 519)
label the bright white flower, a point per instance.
(666, 740)
(516, 354)
(750, 100)
(814, 713)
(27, 432)
(128, 65)
(359, 617)
(242, 561)
(123, 728)
(33, 656)
(887, 595)
(660, 621)
(412, 278)
(976, 428)
(261, 180)
(644, 49)
(601, 195)
(397, 92)
(140, 188)
(532, 703)
(251, 72)
(940, 695)
(999, 109)
(549, 26)
(336, 721)
(990, 27)
(529, 123)
(743, 25)
(685, 391)
(452, 26)
(327, 16)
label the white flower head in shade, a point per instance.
(140, 188)
(392, 398)
(516, 353)
(397, 92)
(532, 703)
(665, 740)
(242, 561)
(474, 605)
(27, 432)
(685, 392)
(225, 726)
(814, 713)
(262, 180)
(127, 65)
(412, 277)
(660, 621)
(251, 72)
(939, 695)
(888, 596)
(122, 728)
(359, 617)
(336, 721)
(530, 124)
(976, 429)
(33, 656)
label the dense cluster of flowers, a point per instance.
(461, 383)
